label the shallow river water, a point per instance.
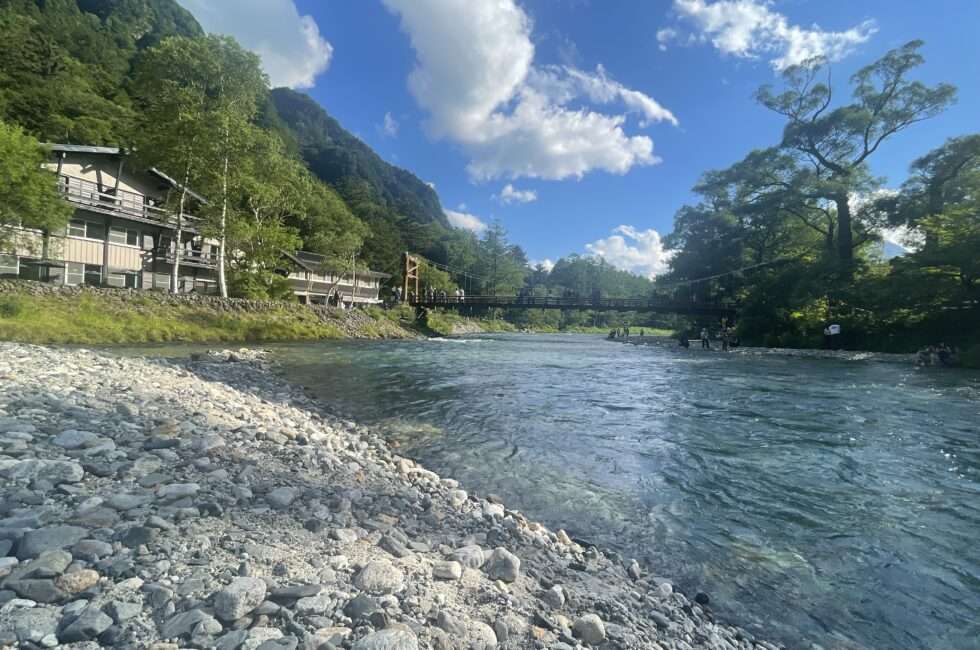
(817, 502)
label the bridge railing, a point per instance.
(565, 302)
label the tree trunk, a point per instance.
(845, 235)
(175, 268)
(222, 279)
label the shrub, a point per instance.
(11, 306)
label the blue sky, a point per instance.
(583, 124)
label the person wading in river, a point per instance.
(705, 343)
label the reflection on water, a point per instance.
(816, 501)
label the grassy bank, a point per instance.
(449, 323)
(96, 318)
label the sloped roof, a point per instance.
(309, 261)
(84, 148)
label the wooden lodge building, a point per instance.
(121, 235)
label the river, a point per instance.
(816, 501)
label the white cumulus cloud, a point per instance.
(751, 29)
(547, 264)
(637, 251)
(292, 50)
(511, 194)
(476, 78)
(389, 126)
(465, 221)
(664, 36)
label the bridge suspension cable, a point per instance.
(682, 283)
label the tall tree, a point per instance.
(836, 143)
(500, 265)
(28, 193)
(239, 85)
(176, 130)
(942, 177)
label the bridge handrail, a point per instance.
(572, 302)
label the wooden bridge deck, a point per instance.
(661, 305)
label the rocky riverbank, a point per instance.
(203, 503)
(796, 353)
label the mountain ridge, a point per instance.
(335, 156)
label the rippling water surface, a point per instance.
(826, 502)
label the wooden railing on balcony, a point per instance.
(121, 203)
(202, 259)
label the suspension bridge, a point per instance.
(656, 303)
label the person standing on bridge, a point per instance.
(705, 341)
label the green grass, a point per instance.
(443, 323)
(95, 319)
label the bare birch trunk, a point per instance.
(222, 279)
(178, 245)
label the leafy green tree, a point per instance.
(176, 128)
(835, 143)
(238, 85)
(942, 177)
(273, 193)
(942, 200)
(502, 265)
(323, 221)
(28, 193)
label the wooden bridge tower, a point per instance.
(411, 275)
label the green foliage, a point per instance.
(100, 319)
(787, 216)
(436, 279)
(28, 194)
(337, 157)
(502, 265)
(582, 276)
(64, 64)
(12, 306)
(260, 285)
(832, 145)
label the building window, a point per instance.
(86, 229)
(8, 266)
(125, 279)
(56, 275)
(29, 270)
(76, 273)
(94, 230)
(76, 228)
(93, 275)
(124, 236)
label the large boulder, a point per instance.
(590, 629)
(239, 598)
(49, 538)
(502, 565)
(89, 625)
(393, 638)
(380, 577)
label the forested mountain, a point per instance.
(65, 64)
(337, 157)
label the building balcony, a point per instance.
(195, 258)
(123, 204)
